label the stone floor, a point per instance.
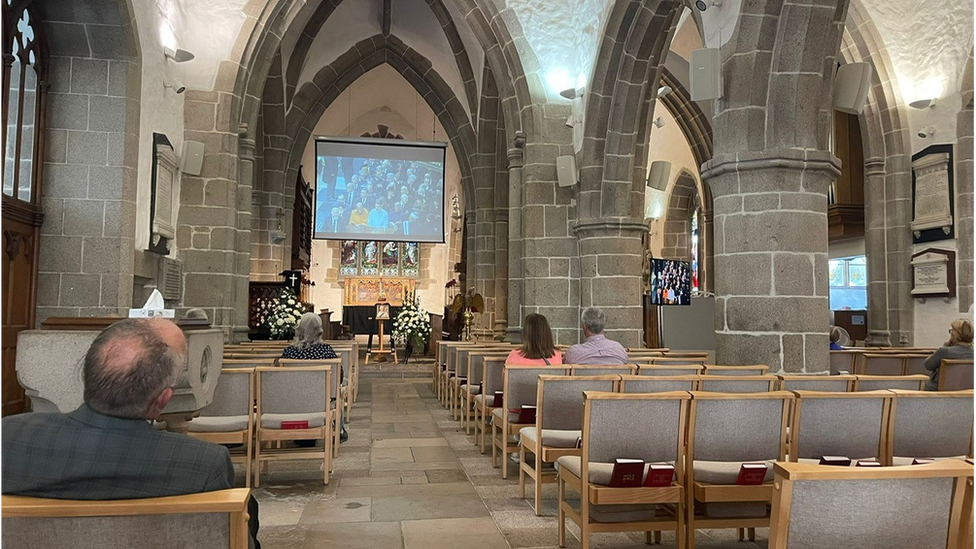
(409, 478)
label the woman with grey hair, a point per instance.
(308, 345)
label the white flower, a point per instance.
(280, 322)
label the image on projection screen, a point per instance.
(380, 189)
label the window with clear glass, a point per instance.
(848, 282)
(20, 109)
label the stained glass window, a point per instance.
(857, 273)
(371, 258)
(694, 250)
(835, 272)
(370, 264)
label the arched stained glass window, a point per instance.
(694, 249)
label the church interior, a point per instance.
(767, 204)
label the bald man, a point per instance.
(107, 448)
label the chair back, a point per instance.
(877, 383)
(738, 427)
(334, 363)
(955, 375)
(493, 377)
(560, 399)
(476, 368)
(883, 364)
(686, 354)
(915, 364)
(650, 427)
(868, 507)
(932, 424)
(756, 370)
(294, 390)
(345, 358)
(842, 361)
(658, 384)
(602, 369)
(209, 519)
(668, 361)
(522, 384)
(830, 384)
(737, 384)
(840, 424)
(670, 370)
(238, 363)
(233, 395)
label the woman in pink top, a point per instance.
(537, 346)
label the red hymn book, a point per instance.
(627, 473)
(752, 474)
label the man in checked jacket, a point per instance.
(107, 448)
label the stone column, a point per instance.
(501, 272)
(964, 206)
(706, 234)
(513, 331)
(470, 250)
(770, 248)
(610, 275)
(876, 252)
(245, 182)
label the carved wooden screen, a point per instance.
(301, 242)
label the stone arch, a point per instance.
(677, 227)
(887, 185)
(693, 123)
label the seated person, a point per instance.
(108, 448)
(538, 348)
(959, 347)
(358, 218)
(597, 349)
(308, 345)
(834, 338)
(378, 217)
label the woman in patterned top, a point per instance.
(308, 345)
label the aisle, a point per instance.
(409, 479)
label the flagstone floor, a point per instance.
(409, 478)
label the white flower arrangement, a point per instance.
(285, 314)
(412, 323)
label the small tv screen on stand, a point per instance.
(670, 282)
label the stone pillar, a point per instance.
(501, 272)
(470, 250)
(245, 182)
(964, 206)
(876, 252)
(770, 249)
(706, 278)
(610, 275)
(513, 331)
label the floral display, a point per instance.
(411, 326)
(285, 315)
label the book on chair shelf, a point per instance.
(526, 414)
(627, 473)
(294, 424)
(840, 461)
(868, 463)
(499, 399)
(659, 475)
(752, 474)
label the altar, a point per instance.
(360, 294)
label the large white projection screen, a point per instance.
(379, 189)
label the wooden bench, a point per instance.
(208, 520)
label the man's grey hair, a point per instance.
(127, 366)
(594, 320)
(309, 330)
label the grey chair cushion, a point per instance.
(554, 438)
(218, 424)
(496, 415)
(475, 389)
(724, 472)
(273, 421)
(898, 460)
(600, 473)
(854, 461)
(489, 400)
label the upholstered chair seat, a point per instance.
(556, 438)
(218, 424)
(274, 421)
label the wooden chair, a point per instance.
(651, 427)
(493, 381)
(336, 392)
(247, 363)
(670, 370)
(882, 364)
(832, 384)
(658, 384)
(558, 425)
(647, 350)
(687, 354)
(756, 370)
(915, 364)
(229, 418)
(843, 361)
(602, 370)
(295, 393)
(871, 507)
(955, 375)
(725, 431)
(209, 519)
(930, 424)
(672, 361)
(737, 384)
(877, 383)
(470, 390)
(854, 425)
(520, 385)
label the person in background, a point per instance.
(597, 349)
(378, 217)
(834, 338)
(358, 218)
(538, 348)
(959, 347)
(308, 345)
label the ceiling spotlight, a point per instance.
(922, 103)
(703, 5)
(174, 85)
(659, 122)
(927, 131)
(572, 93)
(664, 91)
(178, 55)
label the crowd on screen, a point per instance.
(671, 285)
(378, 196)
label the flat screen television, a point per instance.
(379, 189)
(670, 282)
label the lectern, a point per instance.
(381, 316)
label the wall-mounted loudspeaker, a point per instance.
(851, 87)
(705, 74)
(566, 170)
(191, 161)
(658, 175)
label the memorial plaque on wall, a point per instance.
(932, 194)
(934, 273)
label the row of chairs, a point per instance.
(953, 374)
(707, 436)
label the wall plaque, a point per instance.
(932, 194)
(935, 273)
